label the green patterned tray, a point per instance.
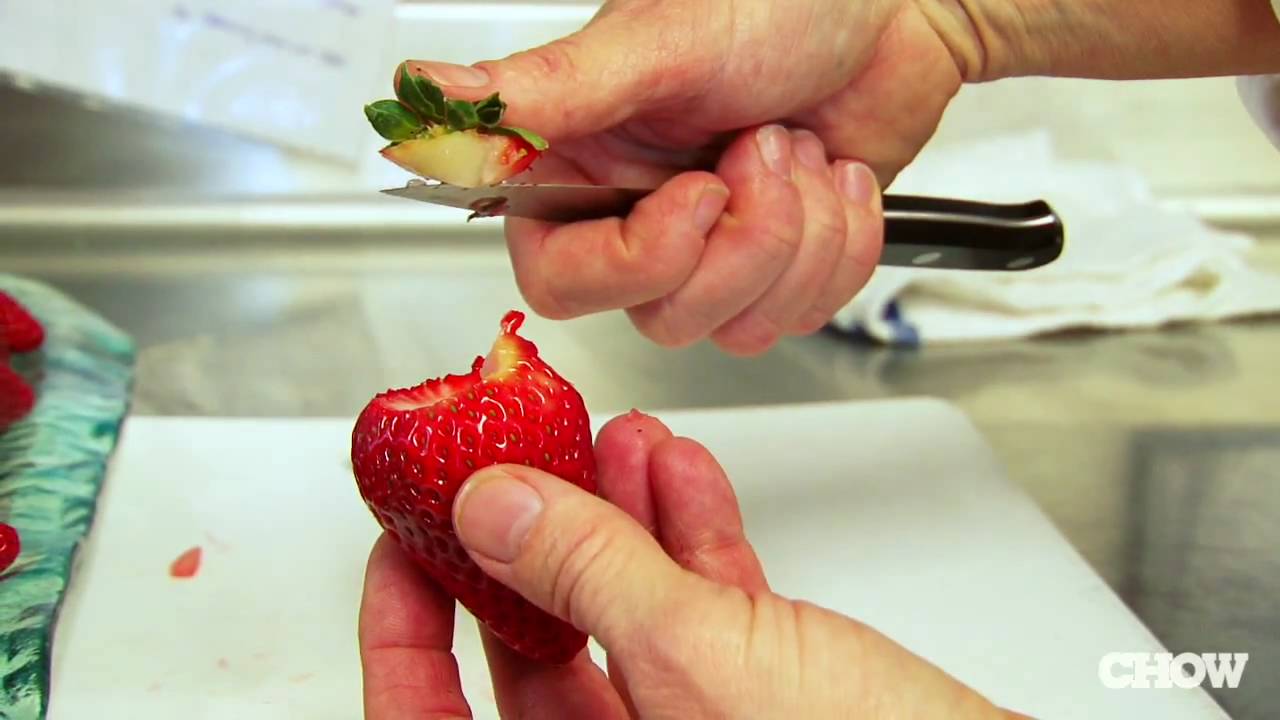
(52, 465)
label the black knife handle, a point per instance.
(922, 232)
(947, 234)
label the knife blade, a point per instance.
(921, 232)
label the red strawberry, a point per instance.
(19, 330)
(454, 141)
(412, 449)
(10, 546)
(16, 397)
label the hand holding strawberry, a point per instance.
(412, 449)
(659, 571)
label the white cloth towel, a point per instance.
(1129, 262)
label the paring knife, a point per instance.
(921, 232)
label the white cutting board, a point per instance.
(894, 512)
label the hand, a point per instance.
(660, 573)
(768, 129)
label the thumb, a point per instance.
(584, 83)
(569, 552)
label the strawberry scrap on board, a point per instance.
(456, 142)
(412, 449)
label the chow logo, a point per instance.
(1121, 670)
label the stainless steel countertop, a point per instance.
(1156, 453)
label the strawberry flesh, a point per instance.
(10, 546)
(187, 564)
(19, 330)
(412, 449)
(465, 159)
(16, 396)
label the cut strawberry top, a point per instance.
(508, 350)
(456, 142)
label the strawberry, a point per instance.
(412, 449)
(16, 397)
(19, 330)
(10, 546)
(454, 141)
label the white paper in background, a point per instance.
(293, 72)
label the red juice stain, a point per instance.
(186, 565)
(10, 546)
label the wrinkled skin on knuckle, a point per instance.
(658, 262)
(777, 240)
(832, 229)
(685, 47)
(814, 320)
(686, 665)
(749, 337)
(584, 561)
(775, 650)
(537, 293)
(668, 324)
(552, 61)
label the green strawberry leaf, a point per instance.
(528, 136)
(491, 111)
(421, 95)
(392, 120)
(461, 115)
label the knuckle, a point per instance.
(749, 335)
(538, 294)
(539, 291)
(585, 563)
(829, 227)
(814, 319)
(745, 347)
(653, 263)
(552, 61)
(666, 325)
(778, 242)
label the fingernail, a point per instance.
(857, 182)
(775, 146)
(810, 150)
(494, 513)
(710, 207)
(454, 75)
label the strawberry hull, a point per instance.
(413, 449)
(467, 159)
(456, 142)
